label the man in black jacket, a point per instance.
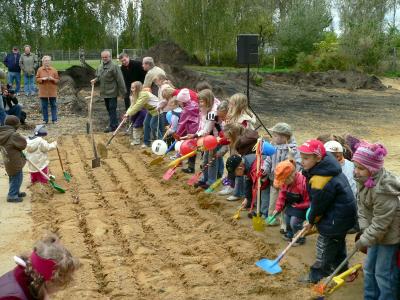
(132, 71)
(11, 61)
(11, 106)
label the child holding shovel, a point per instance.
(42, 272)
(11, 146)
(332, 209)
(293, 196)
(379, 219)
(37, 152)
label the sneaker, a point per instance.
(188, 170)
(226, 190)
(14, 200)
(22, 195)
(233, 198)
(286, 237)
(204, 186)
(145, 146)
(54, 122)
(135, 144)
(299, 242)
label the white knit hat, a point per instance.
(183, 96)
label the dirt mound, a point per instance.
(351, 80)
(80, 75)
(170, 53)
(69, 96)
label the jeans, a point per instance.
(111, 106)
(15, 111)
(331, 251)
(265, 201)
(381, 273)
(150, 128)
(293, 225)
(45, 109)
(29, 84)
(221, 167)
(2, 112)
(15, 182)
(239, 187)
(15, 76)
(210, 173)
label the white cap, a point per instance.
(333, 146)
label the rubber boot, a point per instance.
(137, 134)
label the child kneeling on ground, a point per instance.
(293, 196)
(11, 146)
(40, 273)
(379, 219)
(37, 152)
(332, 210)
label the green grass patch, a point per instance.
(392, 74)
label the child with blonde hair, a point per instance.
(137, 119)
(145, 99)
(239, 111)
(48, 267)
(37, 152)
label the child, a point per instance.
(239, 111)
(145, 99)
(285, 143)
(189, 118)
(11, 146)
(336, 149)
(36, 151)
(379, 219)
(332, 209)
(293, 196)
(208, 111)
(137, 119)
(49, 267)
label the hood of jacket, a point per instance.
(328, 166)
(5, 133)
(387, 183)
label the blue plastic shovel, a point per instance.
(272, 266)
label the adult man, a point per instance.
(111, 85)
(11, 105)
(132, 70)
(152, 72)
(11, 61)
(28, 62)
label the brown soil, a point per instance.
(139, 237)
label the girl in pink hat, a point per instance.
(379, 218)
(49, 266)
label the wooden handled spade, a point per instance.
(96, 160)
(103, 148)
(67, 176)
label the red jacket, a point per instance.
(299, 186)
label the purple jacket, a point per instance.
(189, 119)
(10, 288)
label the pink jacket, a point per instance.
(189, 119)
(299, 186)
(207, 120)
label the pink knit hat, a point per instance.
(183, 96)
(371, 156)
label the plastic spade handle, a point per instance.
(340, 266)
(178, 160)
(170, 148)
(294, 240)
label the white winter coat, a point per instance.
(36, 151)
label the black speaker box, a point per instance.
(247, 49)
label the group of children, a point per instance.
(311, 186)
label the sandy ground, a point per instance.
(140, 238)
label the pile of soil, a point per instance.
(81, 75)
(167, 52)
(351, 80)
(69, 95)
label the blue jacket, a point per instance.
(12, 62)
(333, 207)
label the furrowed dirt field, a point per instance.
(138, 237)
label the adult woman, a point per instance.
(47, 79)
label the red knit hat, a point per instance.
(313, 147)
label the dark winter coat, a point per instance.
(11, 61)
(11, 145)
(133, 72)
(9, 101)
(111, 80)
(333, 207)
